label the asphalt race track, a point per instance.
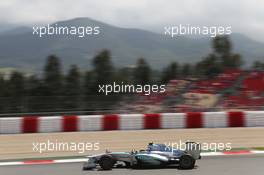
(222, 165)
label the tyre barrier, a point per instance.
(45, 124)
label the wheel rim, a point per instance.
(186, 162)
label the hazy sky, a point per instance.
(245, 16)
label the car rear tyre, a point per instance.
(106, 162)
(128, 164)
(187, 162)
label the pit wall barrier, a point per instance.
(46, 124)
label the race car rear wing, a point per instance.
(194, 149)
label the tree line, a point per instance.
(78, 89)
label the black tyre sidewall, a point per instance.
(186, 162)
(106, 162)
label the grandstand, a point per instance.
(250, 94)
(232, 89)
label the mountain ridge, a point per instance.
(24, 50)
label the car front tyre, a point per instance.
(106, 162)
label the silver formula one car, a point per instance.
(155, 156)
